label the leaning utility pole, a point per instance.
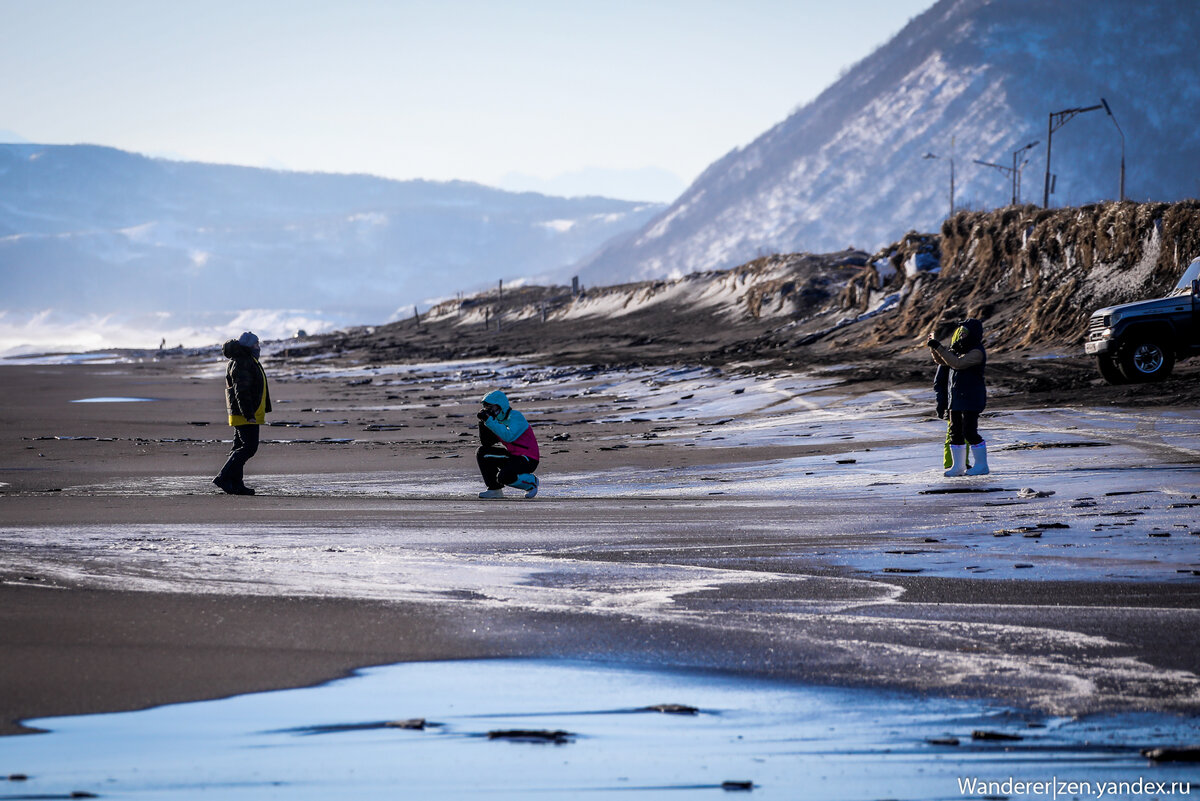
(1057, 120)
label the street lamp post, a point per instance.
(1013, 172)
(1009, 172)
(1016, 195)
(1057, 120)
(935, 156)
(1122, 133)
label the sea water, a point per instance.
(764, 738)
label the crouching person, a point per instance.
(247, 401)
(508, 453)
(961, 391)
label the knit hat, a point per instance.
(248, 339)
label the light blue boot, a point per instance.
(527, 482)
(979, 453)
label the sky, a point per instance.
(628, 99)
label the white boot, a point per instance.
(979, 457)
(959, 468)
(490, 494)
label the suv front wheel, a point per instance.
(1109, 369)
(1146, 360)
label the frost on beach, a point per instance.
(807, 512)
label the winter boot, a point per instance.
(979, 456)
(490, 494)
(959, 467)
(947, 459)
(527, 482)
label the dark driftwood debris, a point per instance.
(531, 736)
(671, 709)
(980, 734)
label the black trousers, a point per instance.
(964, 428)
(500, 468)
(245, 445)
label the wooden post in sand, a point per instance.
(499, 302)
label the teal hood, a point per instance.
(499, 399)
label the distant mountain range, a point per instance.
(870, 158)
(646, 183)
(87, 229)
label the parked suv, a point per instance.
(1141, 341)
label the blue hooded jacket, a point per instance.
(511, 426)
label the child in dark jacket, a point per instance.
(961, 391)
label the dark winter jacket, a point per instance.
(959, 380)
(247, 399)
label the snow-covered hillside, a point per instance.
(968, 79)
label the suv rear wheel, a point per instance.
(1146, 360)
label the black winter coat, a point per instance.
(963, 390)
(245, 385)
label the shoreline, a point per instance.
(690, 519)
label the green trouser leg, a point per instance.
(947, 460)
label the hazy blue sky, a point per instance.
(442, 89)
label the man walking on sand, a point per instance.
(509, 453)
(247, 401)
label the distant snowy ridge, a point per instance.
(87, 231)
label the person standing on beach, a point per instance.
(961, 391)
(508, 453)
(247, 401)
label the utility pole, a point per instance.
(952, 176)
(1122, 133)
(1057, 120)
